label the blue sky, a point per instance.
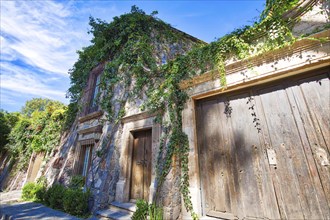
(39, 39)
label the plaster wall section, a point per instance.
(315, 19)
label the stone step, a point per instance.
(114, 214)
(118, 211)
(131, 207)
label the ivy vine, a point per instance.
(128, 48)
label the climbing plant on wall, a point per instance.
(127, 48)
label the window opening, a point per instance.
(93, 103)
(85, 159)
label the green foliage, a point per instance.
(37, 129)
(40, 194)
(19, 141)
(127, 43)
(77, 182)
(7, 122)
(75, 202)
(70, 115)
(155, 212)
(126, 48)
(54, 196)
(47, 126)
(29, 192)
(34, 191)
(147, 211)
(141, 210)
(71, 200)
(42, 180)
(35, 104)
(276, 8)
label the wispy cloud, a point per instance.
(40, 33)
(8, 99)
(39, 40)
(23, 82)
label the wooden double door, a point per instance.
(141, 165)
(264, 151)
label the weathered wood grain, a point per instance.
(235, 174)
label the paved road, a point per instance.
(11, 207)
(31, 210)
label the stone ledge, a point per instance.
(117, 215)
(122, 205)
(137, 117)
(94, 129)
(89, 138)
(90, 116)
(258, 60)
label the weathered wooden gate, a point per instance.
(264, 151)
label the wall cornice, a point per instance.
(270, 59)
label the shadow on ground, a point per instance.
(31, 210)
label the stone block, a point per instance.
(98, 183)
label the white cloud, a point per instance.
(7, 53)
(7, 99)
(38, 42)
(23, 82)
(41, 33)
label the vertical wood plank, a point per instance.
(147, 165)
(244, 137)
(232, 190)
(284, 137)
(273, 205)
(206, 121)
(225, 161)
(137, 167)
(210, 143)
(201, 154)
(218, 161)
(308, 108)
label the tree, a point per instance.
(37, 129)
(39, 104)
(7, 122)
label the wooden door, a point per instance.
(141, 165)
(237, 133)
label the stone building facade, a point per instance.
(103, 152)
(108, 153)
